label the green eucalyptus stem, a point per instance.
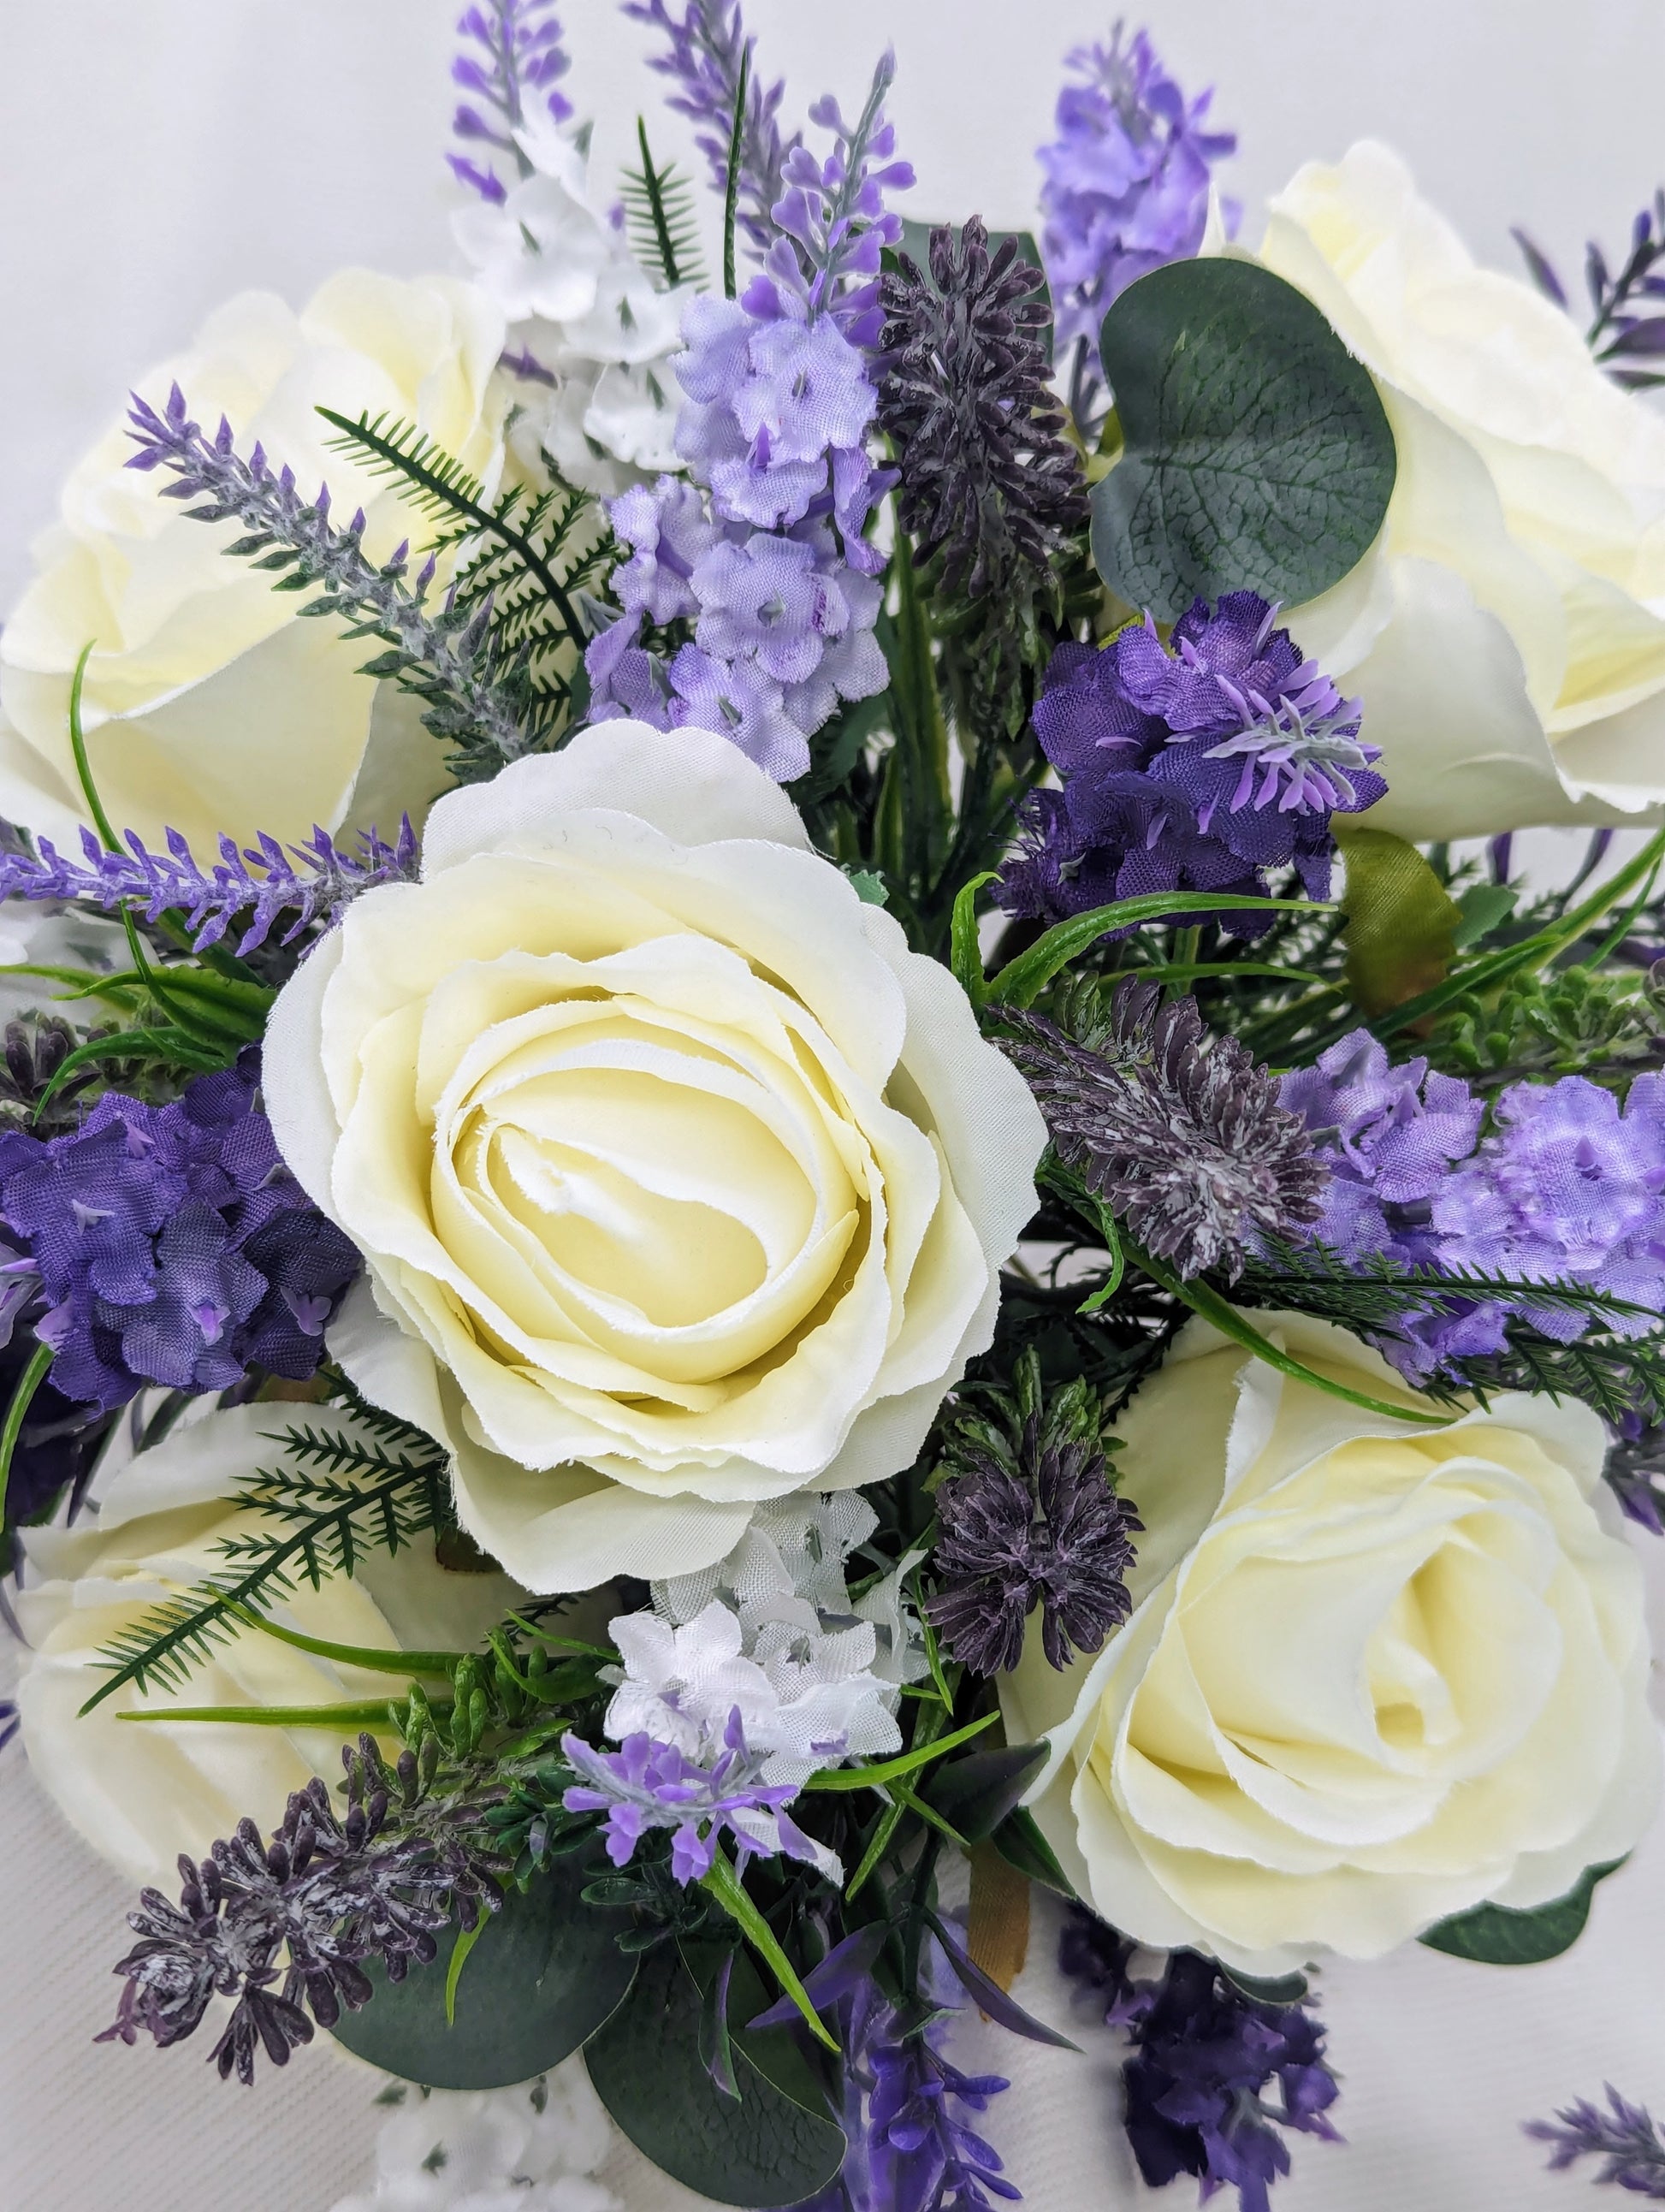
(28, 1383)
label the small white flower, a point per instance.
(679, 1685)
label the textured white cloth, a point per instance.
(154, 158)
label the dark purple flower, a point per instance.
(172, 1244)
(1126, 182)
(512, 60)
(967, 405)
(1625, 2136)
(1204, 2056)
(330, 1891)
(1050, 1532)
(1181, 1133)
(1200, 764)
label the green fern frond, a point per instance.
(660, 222)
(1375, 1294)
(1614, 1377)
(334, 1498)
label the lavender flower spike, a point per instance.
(705, 49)
(211, 899)
(1625, 2136)
(520, 40)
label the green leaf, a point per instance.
(542, 1978)
(1278, 1989)
(1402, 922)
(1256, 453)
(773, 2146)
(1484, 907)
(1021, 981)
(1020, 1842)
(978, 1792)
(871, 889)
(730, 1892)
(1497, 1936)
(965, 956)
(905, 1762)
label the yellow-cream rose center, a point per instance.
(612, 1167)
(1342, 1669)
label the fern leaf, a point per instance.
(334, 1496)
(660, 220)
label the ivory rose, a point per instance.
(1376, 1673)
(1507, 633)
(209, 705)
(141, 1792)
(682, 1182)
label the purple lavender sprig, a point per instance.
(1628, 329)
(703, 59)
(523, 62)
(445, 656)
(1625, 2137)
(326, 1894)
(153, 884)
(834, 221)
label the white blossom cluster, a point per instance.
(773, 1631)
(535, 2148)
(589, 337)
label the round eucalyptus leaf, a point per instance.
(1256, 453)
(766, 2147)
(543, 1976)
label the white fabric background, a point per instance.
(157, 154)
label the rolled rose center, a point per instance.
(615, 1171)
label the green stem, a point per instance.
(366, 1712)
(892, 1770)
(732, 184)
(369, 1657)
(28, 1383)
(78, 747)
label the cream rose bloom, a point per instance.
(682, 1182)
(141, 1792)
(209, 705)
(1376, 1675)
(1507, 634)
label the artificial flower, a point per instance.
(208, 705)
(681, 1183)
(141, 1792)
(1376, 1673)
(1505, 634)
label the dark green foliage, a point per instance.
(989, 1418)
(333, 1496)
(771, 2145)
(660, 219)
(542, 1975)
(1372, 1295)
(522, 560)
(1615, 1376)
(1256, 455)
(1495, 1935)
(1575, 1021)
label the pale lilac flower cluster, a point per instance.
(1567, 1186)
(1127, 184)
(647, 1785)
(771, 569)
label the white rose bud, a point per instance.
(1376, 1675)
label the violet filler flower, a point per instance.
(1204, 2056)
(511, 61)
(171, 1245)
(1200, 764)
(1126, 188)
(646, 1785)
(1568, 1186)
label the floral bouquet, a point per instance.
(771, 1173)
